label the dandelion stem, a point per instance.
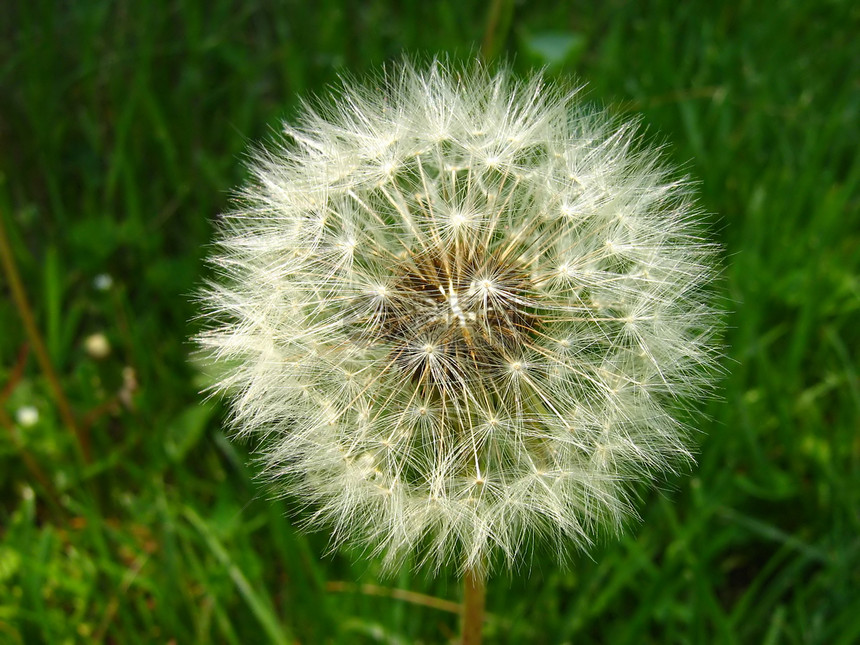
(474, 595)
(26, 312)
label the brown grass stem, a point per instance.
(19, 296)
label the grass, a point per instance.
(123, 127)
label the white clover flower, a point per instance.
(460, 311)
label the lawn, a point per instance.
(126, 513)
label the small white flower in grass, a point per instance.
(97, 345)
(102, 282)
(460, 311)
(27, 416)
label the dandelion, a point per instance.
(460, 312)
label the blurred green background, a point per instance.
(123, 128)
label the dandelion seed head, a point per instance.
(461, 311)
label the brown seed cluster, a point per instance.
(449, 317)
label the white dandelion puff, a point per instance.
(461, 312)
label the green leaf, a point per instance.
(185, 431)
(554, 48)
(258, 604)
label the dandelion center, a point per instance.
(444, 324)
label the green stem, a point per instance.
(498, 23)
